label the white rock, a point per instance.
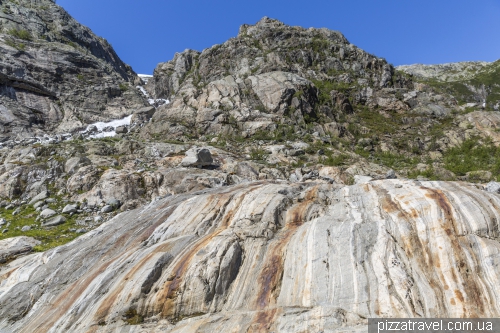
(197, 157)
(493, 187)
(358, 179)
(46, 213)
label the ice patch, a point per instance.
(154, 102)
(145, 77)
(101, 125)
(143, 91)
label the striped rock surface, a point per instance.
(268, 257)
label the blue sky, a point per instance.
(146, 32)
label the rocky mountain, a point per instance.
(55, 74)
(474, 83)
(283, 181)
(269, 75)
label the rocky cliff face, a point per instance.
(270, 74)
(475, 83)
(55, 74)
(268, 257)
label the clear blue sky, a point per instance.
(146, 32)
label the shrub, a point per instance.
(336, 160)
(473, 155)
(21, 34)
(258, 154)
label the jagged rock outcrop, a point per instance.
(55, 74)
(266, 257)
(269, 74)
(475, 84)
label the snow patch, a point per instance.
(102, 125)
(145, 77)
(151, 101)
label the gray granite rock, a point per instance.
(197, 157)
(69, 209)
(55, 221)
(47, 212)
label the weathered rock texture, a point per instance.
(268, 257)
(475, 82)
(272, 74)
(55, 74)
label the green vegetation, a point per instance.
(133, 318)
(18, 46)
(258, 154)
(21, 34)
(123, 87)
(395, 160)
(473, 155)
(335, 160)
(428, 173)
(319, 44)
(489, 78)
(326, 86)
(49, 236)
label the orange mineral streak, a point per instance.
(8, 274)
(44, 321)
(416, 249)
(167, 296)
(263, 321)
(108, 302)
(461, 273)
(41, 323)
(272, 272)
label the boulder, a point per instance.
(12, 248)
(391, 174)
(115, 203)
(59, 219)
(46, 213)
(40, 196)
(69, 209)
(359, 179)
(142, 115)
(493, 187)
(74, 163)
(197, 157)
(107, 209)
(121, 130)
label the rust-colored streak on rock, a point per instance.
(149, 231)
(270, 278)
(64, 301)
(262, 322)
(414, 247)
(68, 297)
(109, 301)
(272, 273)
(472, 301)
(166, 298)
(8, 274)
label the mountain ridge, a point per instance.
(293, 183)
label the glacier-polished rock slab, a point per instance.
(268, 257)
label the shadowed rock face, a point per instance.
(55, 74)
(268, 256)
